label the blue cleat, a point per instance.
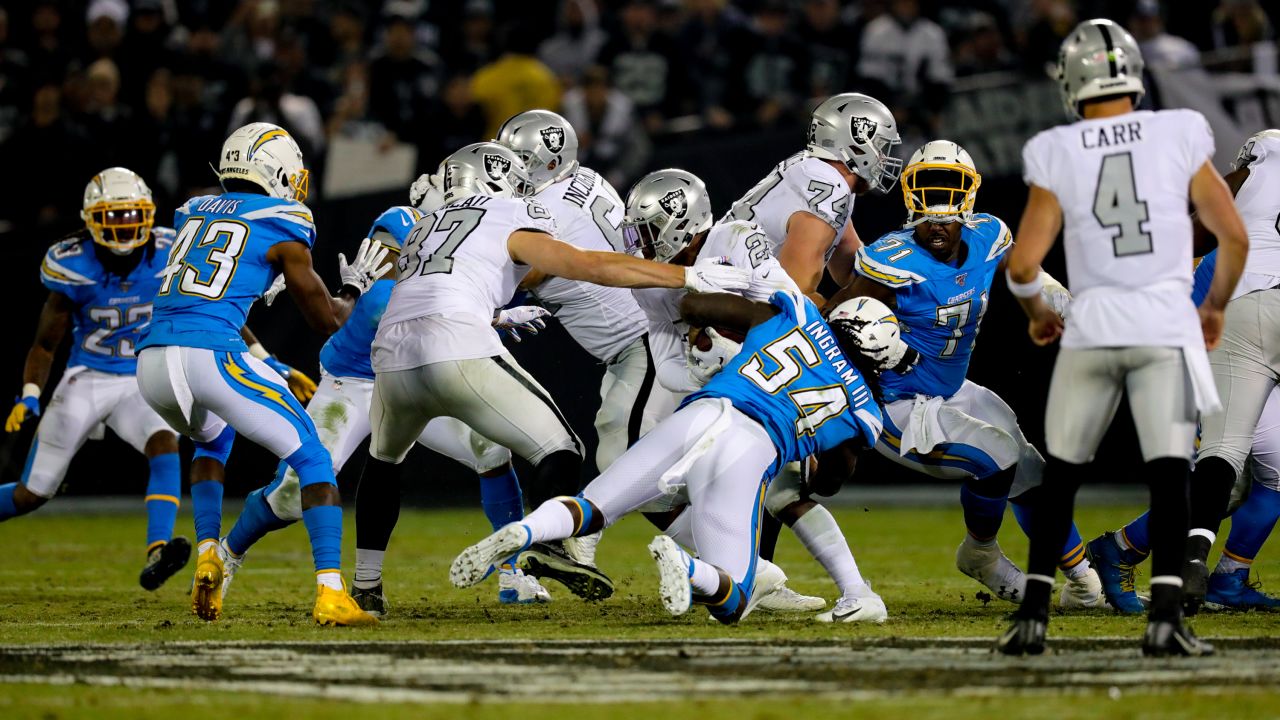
(1116, 569)
(1233, 591)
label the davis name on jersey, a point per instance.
(218, 267)
(801, 183)
(111, 311)
(793, 379)
(939, 306)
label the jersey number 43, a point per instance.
(204, 257)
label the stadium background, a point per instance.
(721, 88)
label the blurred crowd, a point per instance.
(157, 84)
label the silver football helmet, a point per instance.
(485, 168)
(1248, 151)
(545, 142)
(1099, 58)
(859, 131)
(666, 210)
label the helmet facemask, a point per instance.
(939, 192)
(121, 226)
(881, 169)
(656, 238)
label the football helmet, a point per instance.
(484, 168)
(870, 328)
(860, 132)
(666, 210)
(1249, 152)
(393, 226)
(1099, 58)
(545, 142)
(118, 210)
(940, 184)
(267, 156)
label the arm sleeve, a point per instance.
(668, 358)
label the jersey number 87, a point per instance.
(207, 276)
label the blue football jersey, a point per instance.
(1203, 277)
(939, 305)
(219, 266)
(792, 378)
(111, 311)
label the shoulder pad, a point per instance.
(163, 237)
(69, 262)
(288, 211)
(890, 260)
(992, 233)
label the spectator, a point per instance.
(157, 160)
(981, 48)
(454, 121)
(909, 56)
(197, 127)
(401, 80)
(1159, 48)
(220, 83)
(1241, 23)
(471, 47)
(298, 75)
(704, 36)
(832, 49)
(13, 72)
(46, 51)
(645, 65)
(515, 82)
(1042, 33)
(269, 102)
(609, 138)
(249, 39)
(577, 41)
(106, 120)
(345, 46)
(143, 50)
(768, 62)
(47, 191)
(105, 21)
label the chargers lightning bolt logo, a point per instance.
(241, 376)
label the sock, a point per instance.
(770, 527)
(255, 521)
(1073, 562)
(681, 529)
(982, 515)
(703, 577)
(368, 568)
(500, 498)
(1136, 536)
(1251, 525)
(7, 508)
(1051, 511)
(821, 536)
(206, 504)
(1211, 484)
(1169, 480)
(551, 521)
(324, 527)
(164, 488)
(557, 475)
(377, 511)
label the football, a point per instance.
(699, 338)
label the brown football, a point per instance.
(700, 340)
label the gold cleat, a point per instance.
(206, 591)
(337, 607)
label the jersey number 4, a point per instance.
(206, 276)
(816, 405)
(1116, 205)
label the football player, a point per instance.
(435, 353)
(799, 388)
(195, 370)
(1119, 180)
(937, 273)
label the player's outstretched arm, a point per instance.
(55, 317)
(324, 313)
(1041, 221)
(834, 468)
(542, 252)
(724, 310)
(1216, 209)
(302, 386)
(804, 253)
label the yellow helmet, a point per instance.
(118, 210)
(940, 184)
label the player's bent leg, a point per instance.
(815, 527)
(1083, 588)
(1251, 524)
(166, 554)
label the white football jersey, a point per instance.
(453, 273)
(1259, 204)
(588, 212)
(800, 183)
(1123, 183)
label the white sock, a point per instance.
(681, 529)
(705, 579)
(368, 568)
(822, 537)
(551, 521)
(331, 579)
(205, 545)
(1077, 571)
(977, 544)
(1228, 565)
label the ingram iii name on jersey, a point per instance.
(111, 311)
(939, 306)
(793, 379)
(800, 183)
(218, 267)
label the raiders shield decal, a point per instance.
(553, 138)
(863, 129)
(674, 203)
(497, 166)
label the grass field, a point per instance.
(77, 636)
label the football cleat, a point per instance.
(337, 607)
(769, 578)
(1117, 569)
(1233, 591)
(549, 560)
(673, 575)
(230, 566)
(583, 549)
(1024, 637)
(1084, 591)
(371, 600)
(476, 562)
(1165, 638)
(989, 566)
(163, 562)
(1195, 574)
(516, 588)
(206, 591)
(784, 599)
(864, 606)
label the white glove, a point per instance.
(766, 280)
(364, 269)
(1055, 295)
(426, 190)
(277, 287)
(715, 278)
(703, 364)
(523, 317)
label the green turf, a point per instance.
(74, 579)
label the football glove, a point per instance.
(528, 318)
(1055, 295)
(715, 278)
(26, 406)
(300, 385)
(766, 280)
(364, 269)
(277, 287)
(704, 364)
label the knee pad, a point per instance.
(218, 449)
(785, 490)
(284, 494)
(489, 455)
(312, 463)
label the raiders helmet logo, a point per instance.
(497, 166)
(863, 129)
(553, 138)
(674, 203)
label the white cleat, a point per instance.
(769, 579)
(786, 600)
(230, 564)
(863, 605)
(1084, 591)
(474, 564)
(673, 575)
(989, 566)
(583, 549)
(516, 588)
